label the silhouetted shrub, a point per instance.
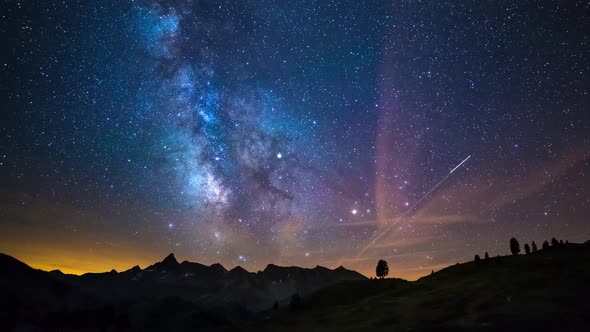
(514, 246)
(545, 244)
(527, 249)
(296, 304)
(554, 242)
(477, 259)
(382, 269)
(560, 242)
(567, 242)
(534, 246)
(486, 256)
(275, 306)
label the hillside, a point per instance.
(545, 291)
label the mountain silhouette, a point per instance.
(542, 291)
(196, 287)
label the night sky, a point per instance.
(291, 132)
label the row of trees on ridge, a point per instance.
(515, 247)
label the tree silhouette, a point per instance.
(545, 244)
(477, 259)
(560, 242)
(534, 245)
(527, 249)
(486, 256)
(554, 242)
(514, 246)
(382, 269)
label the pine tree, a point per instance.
(514, 246)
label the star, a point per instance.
(256, 143)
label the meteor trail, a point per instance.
(405, 214)
(461, 163)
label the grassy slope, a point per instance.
(545, 291)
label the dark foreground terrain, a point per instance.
(544, 291)
(165, 296)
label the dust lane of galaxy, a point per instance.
(293, 133)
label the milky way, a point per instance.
(291, 132)
(218, 145)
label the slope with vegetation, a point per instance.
(543, 291)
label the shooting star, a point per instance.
(405, 214)
(461, 163)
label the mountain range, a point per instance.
(546, 290)
(32, 295)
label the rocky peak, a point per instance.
(218, 268)
(238, 271)
(270, 268)
(170, 259)
(169, 263)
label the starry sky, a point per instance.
(291, 132)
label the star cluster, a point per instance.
(291, 132)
